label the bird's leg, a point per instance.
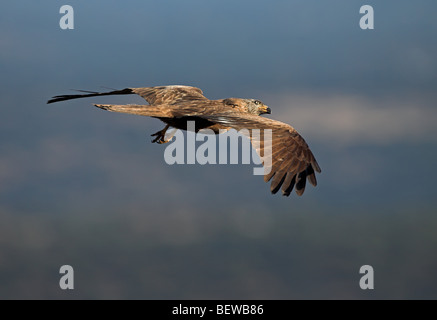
(160, 135)
(171, 135)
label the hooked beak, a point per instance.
(267, 110)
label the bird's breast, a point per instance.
(183, 123)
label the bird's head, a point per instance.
(251, 106)
(257, 107)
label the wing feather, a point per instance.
(154, 95)
(169, 95)
(292, 161)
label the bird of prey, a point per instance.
(292, 162)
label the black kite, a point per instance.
(292, 160)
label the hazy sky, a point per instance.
(364, 100)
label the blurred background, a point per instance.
(87, 188)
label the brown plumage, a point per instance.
(292, 160)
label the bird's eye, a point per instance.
(257, 102)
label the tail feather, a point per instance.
(89, 94)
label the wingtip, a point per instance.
(107, 107)
(300, 192)
(316, 166)
(55, 99)
(101, 106)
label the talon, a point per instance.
(156, 140)
(160, 136)
(160, 140)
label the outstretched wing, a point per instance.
(292, 161)
(169, 94)
(153, 95)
